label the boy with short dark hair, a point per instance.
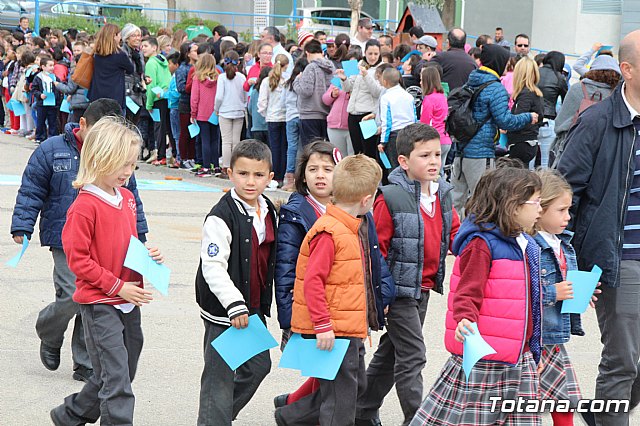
(414, 215)
(235, 280)
(334, 296)
(157, 69)
(397, 111)
(47, 115)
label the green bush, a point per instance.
(69, 21)
(187, 21)
(134, 17)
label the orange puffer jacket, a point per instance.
(345, 291)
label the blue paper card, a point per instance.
(475, 347)
(65, 106)
(584, 284)
(337, 82)
(13, 262)
(158, 91)
(303, 354)
(133, 107)
(369, 128)
(237, 346)
(604, 48)
(17, 107)
(155, 115)
(138, 260)
(503, 140)
(350, 67)
(50, 99)
(194, 130)
(385, 160)
(214, 119)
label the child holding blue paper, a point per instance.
(496, 284)
(334, 295)
(44, 91)
(157, 69)
(314, 187)
(203, 95)
(235, 280)
(558, 380)
(96, 237)
(416, 223)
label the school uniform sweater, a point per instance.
(95, 239)
(432, 222)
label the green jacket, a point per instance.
(157, 68)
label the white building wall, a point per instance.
(559, 25)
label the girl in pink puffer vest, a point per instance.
(496, 285)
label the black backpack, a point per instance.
(460, 123)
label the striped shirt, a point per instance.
(631, 241)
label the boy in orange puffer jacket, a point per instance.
(334, 296)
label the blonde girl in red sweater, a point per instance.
(96, 237)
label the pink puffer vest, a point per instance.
(503, 314)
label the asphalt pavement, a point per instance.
(167, 383)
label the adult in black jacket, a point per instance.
(552, 82)
(599, 162)
(134, 83)
(110, 63)
(456, 64)
(553, 85)
(527, 97)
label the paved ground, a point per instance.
(167, 384)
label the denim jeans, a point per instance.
(293, 137)
(174, 116)
(546, 136)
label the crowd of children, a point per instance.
(344, 256)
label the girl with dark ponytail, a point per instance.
(230, 106)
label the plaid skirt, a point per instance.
(454, 401)
(558, 379)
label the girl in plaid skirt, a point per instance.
(496, 284)
(558, 379)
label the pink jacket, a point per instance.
(203, 96)
(503, 315)
(337, 118)
(434, 113)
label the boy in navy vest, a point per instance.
(413, 214)
(235, 280)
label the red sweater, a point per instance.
(432, 236)
(95, 239)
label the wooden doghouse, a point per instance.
(426, 17)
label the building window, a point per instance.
(605, 7)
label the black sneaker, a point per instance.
(82, 374)
(217, 172)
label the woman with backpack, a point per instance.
(597, 84)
